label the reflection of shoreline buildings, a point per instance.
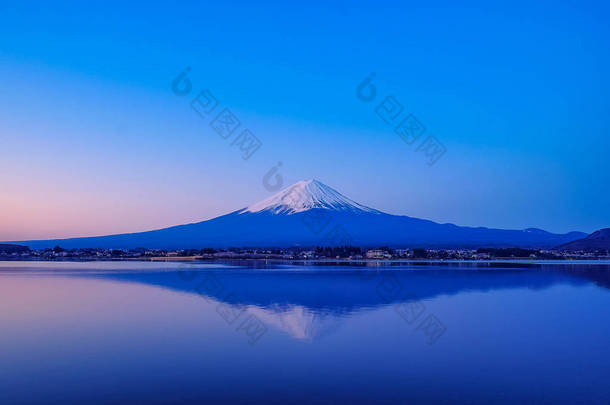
(15, 252)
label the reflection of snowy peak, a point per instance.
(306, 195)
(299, 322)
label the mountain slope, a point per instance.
(310, 213)
(8, 249)
(598, 240)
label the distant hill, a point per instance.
(310, 213)
(10, 248)
(598, 240)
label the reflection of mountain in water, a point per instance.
(308, 303)
(299, 322)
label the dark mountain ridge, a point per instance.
(598, 240)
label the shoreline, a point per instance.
(314, 262)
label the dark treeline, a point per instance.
(338, 251)
(508, 252)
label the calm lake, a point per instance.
(159, 333)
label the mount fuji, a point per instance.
(310, 213)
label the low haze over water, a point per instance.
(289, 334)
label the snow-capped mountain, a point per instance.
(310, 213)
(306, 195)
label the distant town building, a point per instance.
(402, 252)
(377, 254)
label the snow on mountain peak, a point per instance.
(305, 195)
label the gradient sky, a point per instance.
(93, 141)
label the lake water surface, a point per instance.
(158, 333)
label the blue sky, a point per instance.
(94, 141)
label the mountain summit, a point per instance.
(310, 213)
(306, 195)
